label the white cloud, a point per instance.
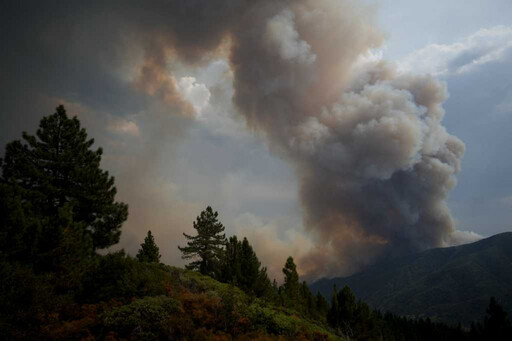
(196, 93)
(218, 116)
(210, 90)
(484, 46)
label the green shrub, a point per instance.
(195, 282)
(271, 321)
(143, 319)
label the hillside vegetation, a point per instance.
(122, 298)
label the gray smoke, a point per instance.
(375, 163)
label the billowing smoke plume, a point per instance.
(374, 162)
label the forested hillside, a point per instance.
(58, 209)
(448, 284)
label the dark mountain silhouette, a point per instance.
(450, 284)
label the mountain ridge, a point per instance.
(448, 284)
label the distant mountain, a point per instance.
(449, 284)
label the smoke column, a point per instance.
(374, 162)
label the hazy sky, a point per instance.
(172, 155)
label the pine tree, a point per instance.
(241, 266)
(57, 168)
(347, 304)
(307, 299)
(274, 292)
(250, 266)
(291, 283)
(496, 324)
(344, 316)
(231, 267)
(149, 251)
(322, 306)
(334, 311)
(263, 286)
(207, 245)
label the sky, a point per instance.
(333, 131)
(478, 109)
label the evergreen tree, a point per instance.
(347, 304)
(241, 266)
(322, 306)
(334, 311)
(274, 293)
(231, 268)
(57, 168)
(496, 324)
(344, 312)
(207, 245)
(250, 266)
(149, 251)
(308, 302)
(263, 286)
(347, 310)
(364, 323)
(291, 283)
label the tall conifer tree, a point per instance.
(231, 268)
(291, 283)
(57, 169)
(334, 311)
(241, 266)
(207, 245)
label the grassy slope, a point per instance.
(451, 284)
